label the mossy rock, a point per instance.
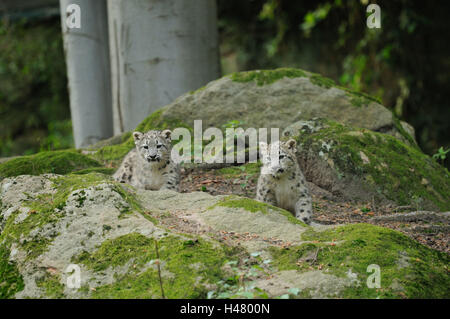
(117, 238)
(56, 162)
(407, 269)
(143, 281)
(360, 164)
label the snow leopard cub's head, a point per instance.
(278, 158)
(153, 146)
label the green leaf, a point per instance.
(294, 291)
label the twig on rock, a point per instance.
(158, 263)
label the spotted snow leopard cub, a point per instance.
(149, 165)
(282, 184)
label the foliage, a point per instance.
(34, 108)
(441, 154)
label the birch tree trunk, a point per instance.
(159, 50)
(88, 71)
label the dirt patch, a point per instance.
(328, 209)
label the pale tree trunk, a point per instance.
(88, 71)
(159, 49)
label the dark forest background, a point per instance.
(406, 63)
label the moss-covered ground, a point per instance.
(57, 162)
(187, 266)
(254, 206)
(11, 281)
(52, 286)
(424, 274)
(235, 171)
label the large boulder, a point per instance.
(127, 244)
(278, 98)
(363, 165)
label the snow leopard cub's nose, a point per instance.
(306, 220)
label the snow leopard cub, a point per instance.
(282, 184)
(149, 165)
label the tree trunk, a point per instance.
(159, 50)
(88, 70)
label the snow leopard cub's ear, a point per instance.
(137, 136)
(167, 134)
(291, 144)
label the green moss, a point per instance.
(397, 171)
(102, 170)
(180, 279)
(319, 80)
(112, 154)
(359, 245)
(117, 252)
(360, 98)
(235, 171)
(403, 133)
(198, 90)
(254, 206)
(58, 162)
(264, 77)
(11, 281)
(52, 285)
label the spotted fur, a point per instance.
(149, 165)
(282, 183)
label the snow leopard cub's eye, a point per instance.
(145, 147)
(158, 145)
